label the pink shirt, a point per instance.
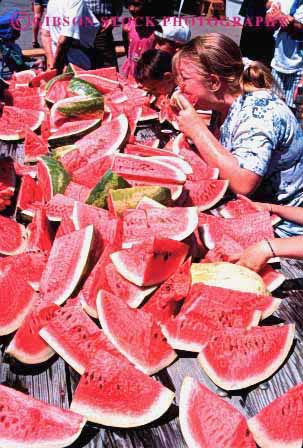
(140, 40)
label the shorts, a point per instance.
(41, 3)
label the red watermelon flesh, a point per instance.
(13, 237)
(272, 279)
(40, 232)
(166, 301)
(226, 247)
(151, 262)
(43, 77)
(175, 190)
(148, 113)
(29, 266)
(280, 424)
(132, 294)
(16, 300)
(77, 192)
(104, 72)
(22, 170)
(143, 344)
(205, 194)
(209, 421)
(142, 168)
(75, 337)
(45, 128)
(114, 393)
(192, 329)
(127, 108)
(66, 226)
(141, 150)
(14, 121)
(106, 140)
(105, 226)
(33, 102)
(18, 422)
(59, 206)
(236, 358)
(7, 182)
(200, 169)
(24, 76)
(29, 193)
(66, 265)
(91, 173)
(200, 292)
(59, 89)
(246, 231)
(27, 346)
(176, 223)
(34, 146)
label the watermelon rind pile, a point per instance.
(115, 255)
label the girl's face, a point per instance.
(136, 7)
(160, 87)
(194, 84)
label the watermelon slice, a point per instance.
(250, 356)
(81, 87)
(16, 299)
(19, 414)
(34, 147)
(143, 344)
(142, 168)
(66, 264)
(128, 198)
(24, 77)
(56, 88)
(103, 85)
(272, 279)
(114, 393)
(269, 425)
(194, 327)
(13, 237)
(166, 301)
(33, 102)
(151, 262)
(208, 421)
(105, 140)
(69, 133)
(40, 233)
(59, 206)
(177, 162)
(175, 189)
(246, 230)
(146, 203)
(205, 193)
(201, 292)
(143, 150)
(14, 122)
(200, 170)
(52, 177)
(91, 173)
(77, 192)
(75, 337)
(27, 346)
(228, 275)
(43, 77)
(76, 108)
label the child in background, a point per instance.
(138, 36)
(256, 256)
(171, 34)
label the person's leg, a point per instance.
(104, 50)
(38, 13)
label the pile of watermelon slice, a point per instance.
(116, 263)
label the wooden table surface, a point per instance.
(55, 382)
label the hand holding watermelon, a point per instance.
(254, 257)
(188, 120)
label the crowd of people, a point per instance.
(255, 139)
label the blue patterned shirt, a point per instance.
(266, 138)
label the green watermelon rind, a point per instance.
(110, 181)
(59, 177)
(250, 380)
(51, 82)
(82, 88)
(67, 139)
(128, 198)
(80, 105)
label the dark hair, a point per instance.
(153, 64)
(215, 53)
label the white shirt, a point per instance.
(288, 52)
(71, 18)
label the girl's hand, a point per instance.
(189, 121)
(254, 257)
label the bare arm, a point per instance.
(63, 45)
(47, 45)
(241, 180)
(294, 214)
